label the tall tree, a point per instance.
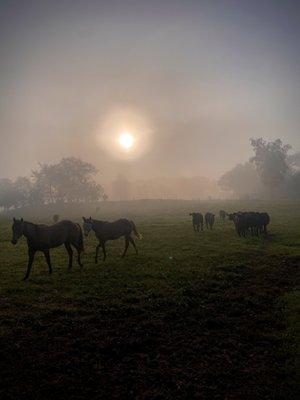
(23, 187)
(45, 181)
(71, 180)
(271, 161)
(294, 161)
(7, 194)
(241, 180)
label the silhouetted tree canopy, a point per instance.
(270, 171)
(294, 161)
(241, 180)
(270, 159)
(70, 180)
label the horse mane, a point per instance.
(34, 225)
(30, 223)
(98, 222)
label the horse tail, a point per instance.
(135, 231)
(80, 239)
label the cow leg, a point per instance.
(31, 254)
(194, 227)
(101, 244)
(133, 244)
(126, 246)
(201, 226)
(70, 252)
(47, 256)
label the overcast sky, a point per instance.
(193, 80)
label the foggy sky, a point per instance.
(205, 75)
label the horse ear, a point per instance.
(14, 219)
(83, 219)
(21, 219)
(90, 218)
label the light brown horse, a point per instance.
(105, 231)
(43, 237)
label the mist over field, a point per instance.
(149, 199)
(191, 81)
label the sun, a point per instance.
(126, 140)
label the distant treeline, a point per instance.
(271, 173)
(69, 181)
(188, 188)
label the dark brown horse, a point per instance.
(105, 231)
(43, 237)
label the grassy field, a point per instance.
(204, 316)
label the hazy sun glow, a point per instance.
(124, 133)
(126, 140)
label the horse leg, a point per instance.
(97, 250)
(79, 250)
(126, 246)
(133, 244)
(70, 252)
(47, 256)
(104, 250)
(31, 254)
(78, 257)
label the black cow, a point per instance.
(197, 221)
(209, 220)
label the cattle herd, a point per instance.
(254, 223)
(250, 222)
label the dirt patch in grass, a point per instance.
(218, 338)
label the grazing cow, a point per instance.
(43, 238)
(105, 231)
(222, 214)
(197, 221)
(209, 220)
